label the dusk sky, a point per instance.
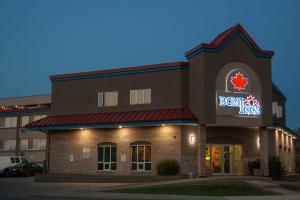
(41, 38)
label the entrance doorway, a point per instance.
(224, 159)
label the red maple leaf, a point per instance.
(251, 101)
(239, 81)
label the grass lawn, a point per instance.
(218, 189)
(292, 187)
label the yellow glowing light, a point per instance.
(120, 126)
(192, 139)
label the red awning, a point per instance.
(177, 114)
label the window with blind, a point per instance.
(140, 96)
(107, 99)
(8, 122)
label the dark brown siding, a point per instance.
(204, 69)
(168, 90)
(277, 96)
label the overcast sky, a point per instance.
(41, 38)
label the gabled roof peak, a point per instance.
(220, 42)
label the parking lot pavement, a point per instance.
(26, 188)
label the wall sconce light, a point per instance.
(192, 139)
(258, 142)
(120, 126)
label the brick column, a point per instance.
(264, 150)
(201, 150)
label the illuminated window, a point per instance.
(140, 96)
(107, 99)
(141, 156)
(107, 156)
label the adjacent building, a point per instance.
(15, 113)
(213, 113)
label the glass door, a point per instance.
(224, 159)
(216, 159)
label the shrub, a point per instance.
(253, 165)
(167, 167)
(276, 168)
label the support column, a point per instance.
(18, 130)
(264, 150)
(201, 150)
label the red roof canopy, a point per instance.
(115, 118)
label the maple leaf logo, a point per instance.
(251, 101)
(239, 81)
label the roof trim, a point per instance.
(115, 125)
(223, 39)
(278, 90)
(21, 111)
(121, 71)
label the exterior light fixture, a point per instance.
(120, 126)
(192, 139)
(294, 137)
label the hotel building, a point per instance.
(213, 113)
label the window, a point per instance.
(8, 122)
(274, 108)
(9, 145)
(24, 144)
(1, 144)
(141, 96)
(107, 157)
(33, 144)
(279, 111)
(107, 99)
(2, 122)
(141, 156)
(30, 143)
(38, 117)
(24, 120)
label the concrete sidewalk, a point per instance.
(122, 196)
(271, 186)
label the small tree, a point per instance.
(276, 168)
